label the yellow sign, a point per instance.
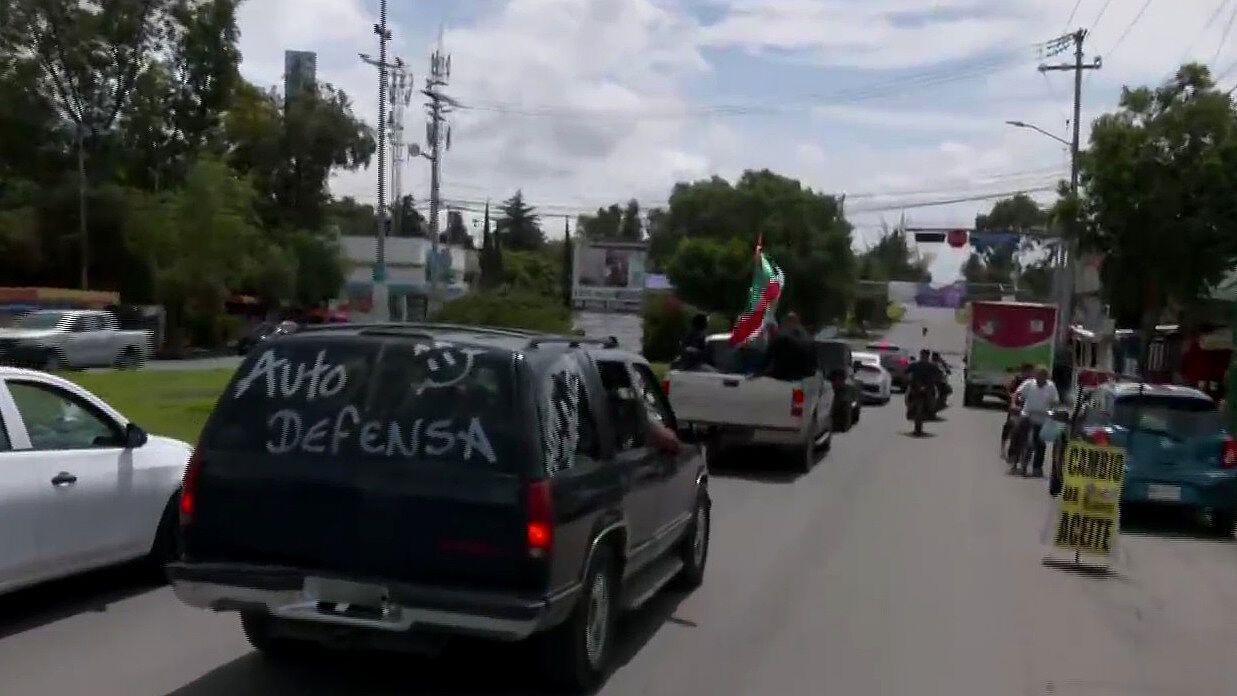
(1090, 499)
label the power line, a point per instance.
(1103, 9)
(890, 88)
(1071, 14)
(1224, 37)
(950, 201)
(1142, 10)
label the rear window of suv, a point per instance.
(1172, 416)
(372, 397)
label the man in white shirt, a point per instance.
(1038, 396)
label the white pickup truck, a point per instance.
(736, 409)
(55, 339)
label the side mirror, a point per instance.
(134, 436)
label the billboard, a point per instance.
(608, 276)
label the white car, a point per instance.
(874, 379)
(80, 485)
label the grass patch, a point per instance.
(174, 403)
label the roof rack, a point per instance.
(403, 327)
(610, 342)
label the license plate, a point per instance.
(1156, 491)
(344, 592)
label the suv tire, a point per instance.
(694, 550)
(577, 652)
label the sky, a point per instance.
(894, 103)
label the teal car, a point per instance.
(1178, 450)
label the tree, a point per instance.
(491, 259)
(892, 258)
(568, 263)
(353, 219)
(411, 223)
(290, 150)
(999, 262)
(631, 230)
(604, 225)
(519, 225)
(457, 231)
(1160, 180)
(804, 232)
(201, 241)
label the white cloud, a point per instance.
(869, 34)
(587, 102)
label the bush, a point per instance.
(513, 310)
(667, 319)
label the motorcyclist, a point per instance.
(924, 379)
(1038, 397)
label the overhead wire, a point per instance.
(1095, 22)
(1072, 13)
(1141, 11)
(1228, 27)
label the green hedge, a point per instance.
(667, 319)
(513, 310)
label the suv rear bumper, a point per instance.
(281, 592)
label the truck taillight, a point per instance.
(665, 387)
(796, 403)
(189, 487)
(1228, 454)
(539, 506)
(1100, 437)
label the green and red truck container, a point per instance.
(1002, 337)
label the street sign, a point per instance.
(1089, 515)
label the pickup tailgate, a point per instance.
(359, 457)
(731, 399)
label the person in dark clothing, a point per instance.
(693, 352)
(922, 374)
(1027, 371)
(790, 355)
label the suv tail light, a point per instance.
(539, 506)
(189, 488)
(1100, 437)
(1228, 454)
(796, 403)
(665, 387)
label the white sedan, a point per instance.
(80, 486)
(874, 380)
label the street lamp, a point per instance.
(1023, 124)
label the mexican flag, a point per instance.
(767, 284)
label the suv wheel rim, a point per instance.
(597, 624)
(701, 537)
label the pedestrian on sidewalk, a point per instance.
(1038, 397)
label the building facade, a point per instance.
(407, 259)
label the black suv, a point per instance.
(392, 486)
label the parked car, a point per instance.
(874, 380)
(894, 359)
(833, 357)
(734, 408)
(80, 485)
(394, 486)
(1178, 450)
(57, 339)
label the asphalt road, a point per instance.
(897, 566)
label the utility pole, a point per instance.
(81, 205)
(381, 294)
(438, 138)
(400, 92)
(1070, 260)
